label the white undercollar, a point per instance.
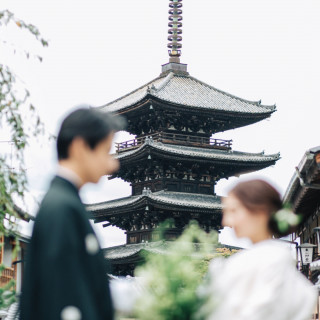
(69, 175)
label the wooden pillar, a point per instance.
(2, 248)
(14, 259)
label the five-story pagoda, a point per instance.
(174, 163)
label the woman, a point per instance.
(260, 283)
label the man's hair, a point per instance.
(91, 125)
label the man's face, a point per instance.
(98, 162)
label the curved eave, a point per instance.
(292, 189)
(230, 119)
(188, 92)
(212, 112)
(134, 250)
(122, 253)
(165, 200)
(22, 214)
(141, 92)
(304, 187)
(185, 153)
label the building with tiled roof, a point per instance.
(174, 163)
(133, 253)
(179, 95)
(189, 206)
(303, 194)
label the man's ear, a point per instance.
(77, 147)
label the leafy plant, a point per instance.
(171, 280)
(18, 122)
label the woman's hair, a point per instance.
(256, 195)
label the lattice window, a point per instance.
(133, 239)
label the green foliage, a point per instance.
(172, 279)
(7, 17)
(7, 292)
(19, 118)
(286, 219)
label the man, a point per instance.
(66, 275)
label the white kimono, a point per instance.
(261, 283)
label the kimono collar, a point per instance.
(70, 176)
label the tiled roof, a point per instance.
(189, 200)
(129, 250)
(188, 91)
(203, 153)
(122, 202)
(22, 214)
(303, 168)
(305, 180)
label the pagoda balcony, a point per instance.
(179, 139)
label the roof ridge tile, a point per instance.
(165, 81)
(130, 93)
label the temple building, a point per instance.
(174, 161)
(303, 194)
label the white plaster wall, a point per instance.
(7, 254)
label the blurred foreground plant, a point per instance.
(171, 280)
(18, 122)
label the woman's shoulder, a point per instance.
(274, 245)
(273, 251)
(265, 255)
(263, 276)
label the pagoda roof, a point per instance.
(185, 201)
(123, 252)
(200, 153)
(182, 89)
(129, 250)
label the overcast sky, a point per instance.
(101, 50)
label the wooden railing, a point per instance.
(6, 275)
(179, 139)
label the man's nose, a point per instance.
(113, 166)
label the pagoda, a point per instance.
(174, 162)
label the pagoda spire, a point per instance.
(175, 31)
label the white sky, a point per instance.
(101, 50)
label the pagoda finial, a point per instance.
(175, 30)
